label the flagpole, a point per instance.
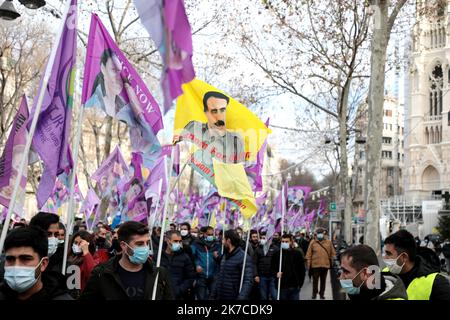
(283, 208)
(245, 258)
(161, 239)
(70, 210)
(156, 212)
(37, 111)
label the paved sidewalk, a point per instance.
(306, 291)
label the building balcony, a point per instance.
(433, 119)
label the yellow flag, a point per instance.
(238, 118)
(194, 223)
(213, 222)
(232, 183)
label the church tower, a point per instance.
(427, 136)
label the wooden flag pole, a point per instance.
(161, 239)
(283, 209)
(37, 111)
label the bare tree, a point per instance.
(383, 23)
(317, 47)
(23, 49)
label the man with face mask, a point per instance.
(360, 283)
(187, 239)
(292, 269)
(421, 280)
(228, 278)
(266, 279)
(206, 253)
(179, 265)
(26, 259)
(102, 242)
(129, 276)
(319, 256)
(49, 222)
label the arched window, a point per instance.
(436, 79)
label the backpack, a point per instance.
(446, 250)
(430, 257)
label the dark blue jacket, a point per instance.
(181, 271)
(228, 279)
(203, 254)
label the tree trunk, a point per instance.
(375, 130)
(108, 137)
(343, 175)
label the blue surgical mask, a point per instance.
(140, 254)
(52, 245)
(348, 287)
(320, 236)
(284, 245)
(20, 279)
(210, 238)
(176, 247)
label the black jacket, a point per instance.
(441, 285)
(181, 270)
(228, 279)
(52, 289)
(292, 266)
(263, 261)
(392, 288)
(105, 283)
(187, 242)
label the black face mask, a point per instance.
(276, 240)
(101, 242)
(116, 245)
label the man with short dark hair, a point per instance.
(26, 259)
(49, 222)
(421, 280)
(292, 269)
(263, 269)
(360, 283)
(320, 255)
(179, 265)
(206, 252)
(228, 279)
(129, 276)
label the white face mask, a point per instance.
(195, 235)
(263, 241)
(52, 245)
(76, 249)
(184, 233)
(392, 265)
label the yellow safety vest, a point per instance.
(420, 288)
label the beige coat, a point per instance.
(319, 257)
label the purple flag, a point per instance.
(88, 208)
(11, 158)
(254, 172)
(297, 195)
(153, 181)
(168, 25)
(167, 151)
(50, 139)
(108, 174)
(113, 85)
(133, 205)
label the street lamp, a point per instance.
(8, 12)
(32, 4)
(296, 172)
